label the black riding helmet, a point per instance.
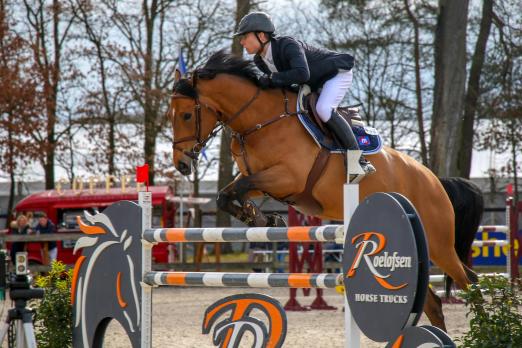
(256, 22)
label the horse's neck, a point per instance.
(234, 94)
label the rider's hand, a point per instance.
(265, 82)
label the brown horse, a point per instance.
(275, 154)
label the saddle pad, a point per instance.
(369, 140)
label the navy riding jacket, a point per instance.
(299, 63)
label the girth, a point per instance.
(305, 201)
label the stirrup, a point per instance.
(355, 172)
(366, 165)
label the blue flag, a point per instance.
(182, 67)
(204, 153)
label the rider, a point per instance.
(286, 61)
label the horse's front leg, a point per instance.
(274, 181)
(245, 211)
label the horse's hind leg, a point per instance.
(450, 264)
(433, 309)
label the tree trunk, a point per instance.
(418, 83)
(198, 213)
(10, 203)
(473, 92)
(49, 169)
(225, 174)
(149, 112)
(149, 145)
(450, 78)
(514, 160)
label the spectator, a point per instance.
(22, 227)
(30, 220)
(46, 226)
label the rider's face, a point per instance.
(250, 43)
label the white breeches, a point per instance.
(333, 93)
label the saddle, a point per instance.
(307, 100)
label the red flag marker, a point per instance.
(142, 174)
(509, 189)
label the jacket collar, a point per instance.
(274, 46)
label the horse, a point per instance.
(275, 154)
(106, 268)
(468, 206)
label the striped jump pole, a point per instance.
(494, 228)
(247, 234)
(246, 280)
(485, 243)
(152, 279)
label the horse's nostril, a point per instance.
(184, 168)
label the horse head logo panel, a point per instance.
(107, 275)
(229, 332)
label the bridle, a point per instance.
(222, 122)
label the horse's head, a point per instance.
(198, 105)
(193, 118)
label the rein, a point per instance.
(224, 122)
(241, 137)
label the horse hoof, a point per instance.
(255, 216)
(275, 220)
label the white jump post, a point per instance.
(145, 202)
(508, 238)
(351, 201)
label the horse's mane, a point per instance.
(220, 62)
(184, 87)
(223, 62)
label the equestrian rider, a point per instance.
(286, 61)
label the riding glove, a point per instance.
(265, 82)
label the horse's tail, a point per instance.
(468, 205)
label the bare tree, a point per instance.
(418, 82)
(19, 105)
(103, 102)
(450, 78)
(473, 90)
(48, 25)
(501, 101)
(140, 51)
(226, 164)
(383, 71)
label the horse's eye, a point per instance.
(187, 116)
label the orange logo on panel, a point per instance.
(229, 331)
(368, 249)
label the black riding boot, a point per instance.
(344, 135)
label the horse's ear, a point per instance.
(177, 75)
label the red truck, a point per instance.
(63, 206)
